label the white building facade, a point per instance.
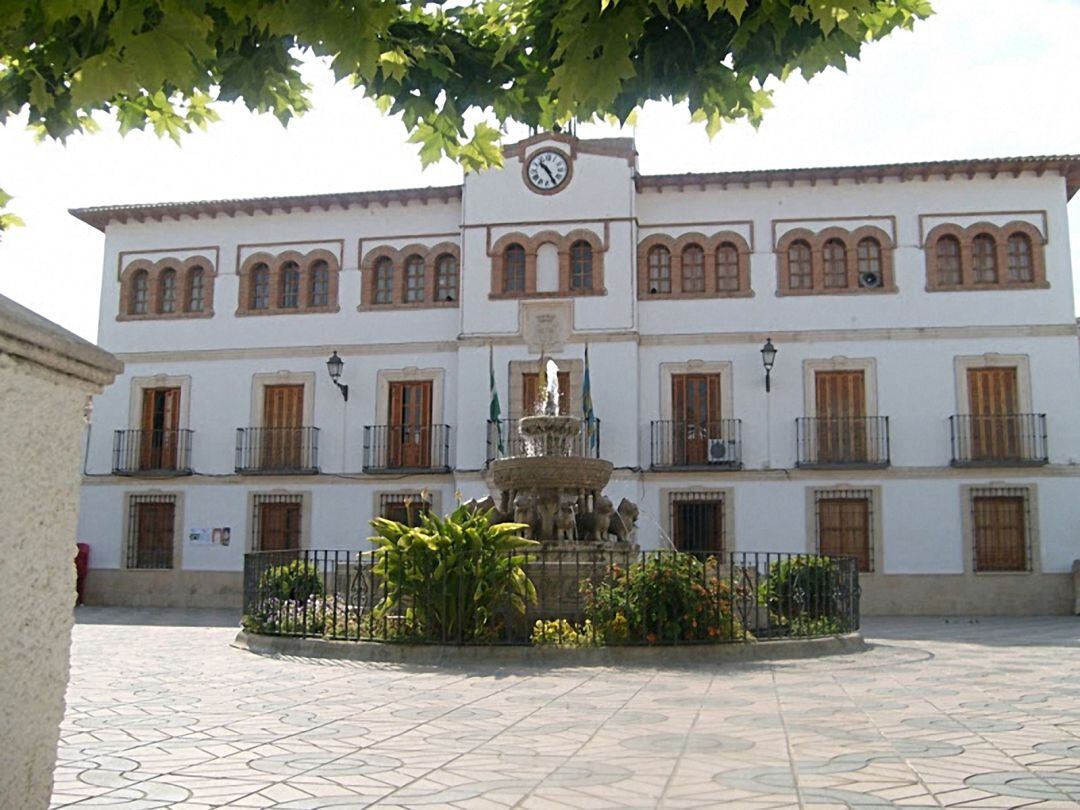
(920, 412)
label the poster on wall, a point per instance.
(199, 537)
(221, 535)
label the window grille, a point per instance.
(290, 285)
(727, 268)
(835, 257)
(659, 271)
(800, 268)
(948, 261)
(984, 259)
(260, 287)
(1021, 266)
(196, 290)
(844, 524)
(581, 261)
(384, 281)
(151, 524)
(514, 268)
(868, 253)
(697, 522)
(140, 292)
(446, 278)
(320, 284)
(168, 290)
(404, 507)
(276, 522)
(414, 280)
(1001, 528)
(693, 269)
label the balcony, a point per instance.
(1009, 440)
(277, 451)
(152, 452)
(842, 442)
(682, 445)
(504, 440)
(406, 448)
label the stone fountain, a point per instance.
(557, 491)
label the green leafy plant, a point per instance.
(457, 578)
(800, 591)
(663, 598)
(561, 633)
(296, 581)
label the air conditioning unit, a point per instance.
(721, 451)
(870, 279)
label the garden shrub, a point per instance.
(800, 592)
(663, 598)
(561, 633)
(296, 581)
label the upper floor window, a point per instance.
(290, 285)
(260, 286)
(446, 278)
(168, 290)
(985, 256)
(514, 268)
(693, 269)
(727, 268)
(659, 270)
(835, 261)
(581, 262)
(414, 279)
(800, 267)
(320, 284)
(196, 290)
(140, 292)
(414, 276)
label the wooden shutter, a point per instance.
(695, 411)
(160, 422)
(410, 424)
(998, 533)
(844, 528)
(529, 393)
(282, 429)
(279, 526)
(993, 401)
(840, 430)
(154, 535)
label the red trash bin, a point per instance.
(82, 561)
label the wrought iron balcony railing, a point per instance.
(678, 444)
(404, 448)
(861, 441)
(152, 452)
(277, 450)
(1017, 439)
(504, 440)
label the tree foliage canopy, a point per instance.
(160, 64)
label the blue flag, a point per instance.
(592, 428)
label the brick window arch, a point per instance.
(140, 293)
(446, 277)
(834, 261)
(288, 283)
(985, 256)
(694, 265)
(692, 272)
(289, 279)
(581, 265)
(800, 266)
(164, 289)
(319, 284)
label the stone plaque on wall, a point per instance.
(546, 324)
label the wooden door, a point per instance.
(844, 529)
(153, 536)
(993, 403)
(159, 429)
(530, 394)
(282, 428)
(410, 424)
(840, 399)
(695, 411)
(279, 526)
(999, 533)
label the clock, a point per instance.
(547, 171)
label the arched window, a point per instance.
(446, 277)
(659, 270)
(1021, 265)
(290, 285)
(320, 284)
(800, 269)
(140, 292)
(727, 268)
(196, 289)
(835, 259)
(868, 254)
(260, 286)
(384, 280)
(581, 265)
(414, 279)
(984, 259)
(514, 268)
(947, 251)
(693, 269)
(167, 301)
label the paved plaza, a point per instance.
(162, 712)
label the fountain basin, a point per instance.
(550, 472)
(548, 434)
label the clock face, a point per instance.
(548, 170)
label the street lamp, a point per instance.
(768, 357)
(334, 366)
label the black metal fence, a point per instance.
(396, 448)
(152, 452)
(1015, 438)
(504, 440)
(277, 450)
(678, 444)
(581, 598)
(861, 441)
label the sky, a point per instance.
(982, 78)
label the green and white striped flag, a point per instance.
(494, 411)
